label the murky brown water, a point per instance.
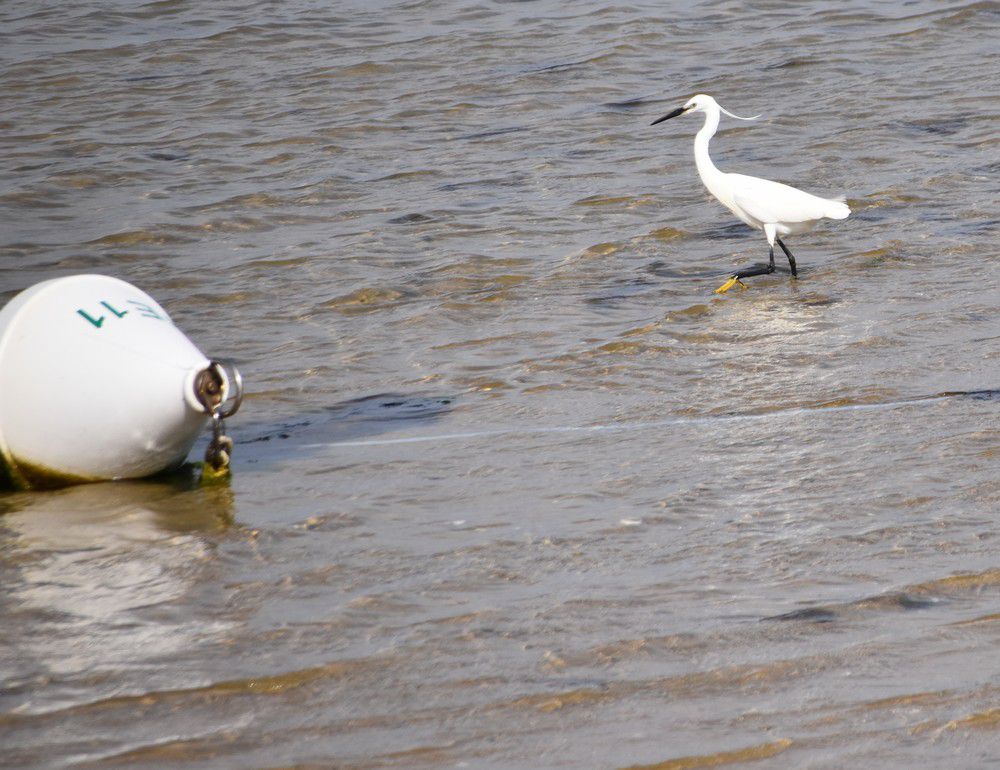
(514, 488)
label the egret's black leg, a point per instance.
(752, 271)
(749, 272)
(791, 259)
(758, 269)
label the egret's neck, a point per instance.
(706, 169)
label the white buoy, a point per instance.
(97, 383)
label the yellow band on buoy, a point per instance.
(211, 476)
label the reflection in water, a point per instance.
(93, 572)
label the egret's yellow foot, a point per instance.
(733, 280)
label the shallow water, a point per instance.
(513, 487)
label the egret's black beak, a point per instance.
(669, 115)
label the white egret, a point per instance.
(775, 208)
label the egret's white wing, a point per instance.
(772, 202)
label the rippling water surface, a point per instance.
(513, 488)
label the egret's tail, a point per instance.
(837, 209)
